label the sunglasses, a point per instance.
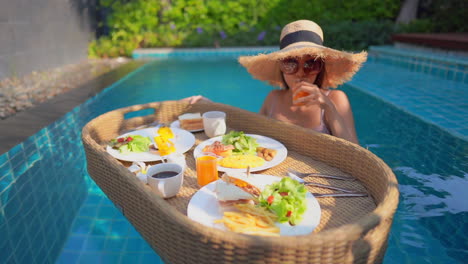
(291, 66)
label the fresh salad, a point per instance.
(287, 199)
(243, 144)
(131, 143)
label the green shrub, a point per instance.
(352, 24)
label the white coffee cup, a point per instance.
(214, 123)
(169, 186)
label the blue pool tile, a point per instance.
(115, 245)
(130, 258)
(75, 242)
(93, 199)
(82, 226)
(90, 258)
(95, 243)
(68, 257)
(132, 232)
(458, 76)
(135, 244)
(15, 150)
(100, 227)
(107, 258)
(151, 258)
(6, 173)
(3, 159)
(120, 227)
(108, 212)
(89, 210)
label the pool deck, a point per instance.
(19, 127)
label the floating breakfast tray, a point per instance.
(351, 230)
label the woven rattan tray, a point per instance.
(351, 230)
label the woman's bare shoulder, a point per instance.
(337, 96)
(274, 94)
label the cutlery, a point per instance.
(321, 175)
(323, 195)
(293, 176)
(329, 187)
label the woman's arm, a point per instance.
(339, 116)
(338, 113)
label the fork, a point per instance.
(321, 175)
(348, 191)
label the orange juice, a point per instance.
(207, 170)
(300, 95)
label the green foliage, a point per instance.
(438, 16)
(357, 36)
(418, 25)
(351, 24)
(445, 16)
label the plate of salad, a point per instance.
(298, 212)
(247, 144)
(139, 145)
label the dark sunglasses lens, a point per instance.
(313, 65)
(289, 66)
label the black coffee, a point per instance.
(165, 174)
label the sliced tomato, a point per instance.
(288, 214)
(284, 193)
(270, 199)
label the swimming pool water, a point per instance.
(51, 211)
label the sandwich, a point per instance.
(191, 121)
(236, 188)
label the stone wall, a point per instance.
(42, 34)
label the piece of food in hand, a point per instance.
(131, 143)
(165, 132)
(235, 188)
(219, 149)
(298, 95)
(287, 199)
(266, 153)
(165, 146)
(191, 121)
(241, 161)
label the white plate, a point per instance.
(176, 124)
(204, 208)
(266, 142)
(183, 141)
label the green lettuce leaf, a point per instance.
(287, 199)
(243, 144)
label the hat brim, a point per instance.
(340, 66)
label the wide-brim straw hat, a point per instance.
(299, 38)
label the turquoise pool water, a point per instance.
(52, 212)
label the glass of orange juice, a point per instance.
(207, 169)
(300, 95)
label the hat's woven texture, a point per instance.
(340, 66)
(351, 230)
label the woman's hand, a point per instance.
(306, 93)
(195, 98)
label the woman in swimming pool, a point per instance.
(306, 70)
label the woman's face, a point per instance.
(296, 69)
